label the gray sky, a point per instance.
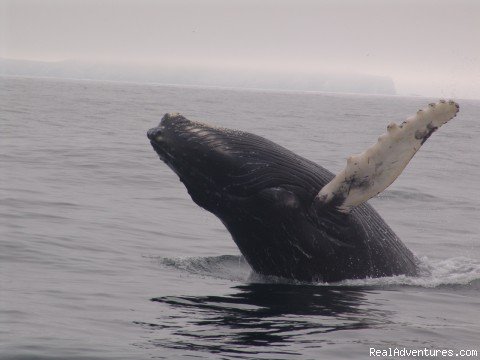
(427, 47)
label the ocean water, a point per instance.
(104, 255)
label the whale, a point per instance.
(290, 217)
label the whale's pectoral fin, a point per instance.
(369, 173)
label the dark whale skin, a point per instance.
(265, 196)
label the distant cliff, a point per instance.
(238, 78)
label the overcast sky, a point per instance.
(427, 47)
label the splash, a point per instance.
(433, 272)
(228, 267)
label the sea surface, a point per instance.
(103, 255)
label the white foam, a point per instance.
(433, 272)
(453, 271)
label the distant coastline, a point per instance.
(201, 77)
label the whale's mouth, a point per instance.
(165, 154)
(157, 138)
(160, 150)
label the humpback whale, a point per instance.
(289, 216)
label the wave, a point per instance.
(408, 194)
(228, 267)
(433, 272)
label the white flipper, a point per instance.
(369, 173)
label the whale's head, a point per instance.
(221, 166)
(262, 192)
